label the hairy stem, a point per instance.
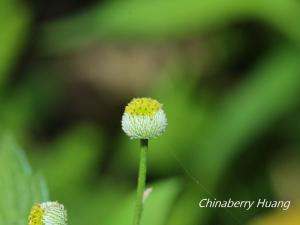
(141, 182)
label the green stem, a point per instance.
(141, 182)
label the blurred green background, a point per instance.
(227, 72)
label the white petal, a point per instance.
(54, 213)
(144, 127)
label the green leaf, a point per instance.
(270, 91)
(165, 19)
(14, 23)
(29, 103)
(156, 209)
(20, 187)
(70, 158)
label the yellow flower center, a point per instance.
(142, 107)
(36, 215)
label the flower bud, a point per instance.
(48, 213)
(143, 119)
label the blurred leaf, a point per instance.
(270, 91)
(30, 102)
(14, 23)
(94, 205)
(67, 162)
(156, 208)
(20, 188)
(158, 19)
(186, 210)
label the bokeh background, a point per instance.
(227, 72)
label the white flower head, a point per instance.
(144, 119)
(48, 213)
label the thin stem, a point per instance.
(141, 182)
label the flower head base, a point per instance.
(48, 213)
(144, 118)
